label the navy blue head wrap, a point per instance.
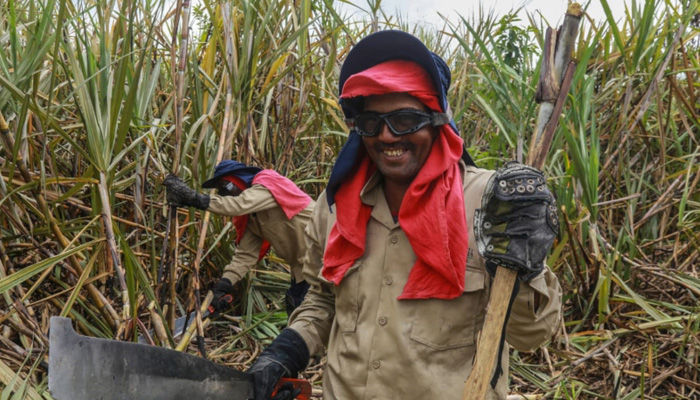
(230, 167)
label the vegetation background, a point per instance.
(101, 99)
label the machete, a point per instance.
(180, 322)
(85, 368)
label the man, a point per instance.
(269, 210)
(398, 289)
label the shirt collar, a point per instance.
(373, 196)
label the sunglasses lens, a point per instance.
(225, 190)
(400, 122)
(406, 122)
(368, 124)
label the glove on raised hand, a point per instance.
(284, 357)
(517, 222)
(222, 296)
(181, 195)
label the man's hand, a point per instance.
(517, 222)
(284, 357)
(266, 373)
(222, 296)
(181, 195)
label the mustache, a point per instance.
(379, 147)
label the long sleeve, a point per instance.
(246, 257)
(314, 318)
(529, 328)
(255, 198)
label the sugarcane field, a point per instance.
(129, 128)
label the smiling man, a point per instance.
(398, 292)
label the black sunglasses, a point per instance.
(227, 189)
(400, 122)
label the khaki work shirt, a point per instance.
(266, 221)
(381, 348)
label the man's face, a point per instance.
(227, 188)
(398, 158)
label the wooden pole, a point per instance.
(552, 90)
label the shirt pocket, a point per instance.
(449, 324)
(347, 299)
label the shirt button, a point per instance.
(388, 281)
(394, 240)
(382, 321)
(376, 364)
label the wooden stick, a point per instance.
(488, 344)
(489, 340)
(538, 154)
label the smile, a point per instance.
(393, 153)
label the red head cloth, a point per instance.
(432, 212)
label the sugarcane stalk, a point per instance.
(158, 327)
(556, 57)
(172, 222)
(113, 249)
(552, 92)
(225, 133)
(187, 334)
(171, 254)
(5, 265)
(99, 299)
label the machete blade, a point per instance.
(179, 325)
(85, 368)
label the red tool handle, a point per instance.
(302, 384)
(227, 298)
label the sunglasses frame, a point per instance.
(434, 119)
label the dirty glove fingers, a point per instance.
(504, 211)
(285, 356)
(222, 295)
(180, 195)
(286, 392)
(266, 374)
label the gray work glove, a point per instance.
(284, 357)
(181, 195)
(518, 222)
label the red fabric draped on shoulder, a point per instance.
(291, 199)
(286, 193)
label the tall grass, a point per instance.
(100, 100)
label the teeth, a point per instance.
(393, 153)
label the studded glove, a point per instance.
(517, 222)
(181, 195)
